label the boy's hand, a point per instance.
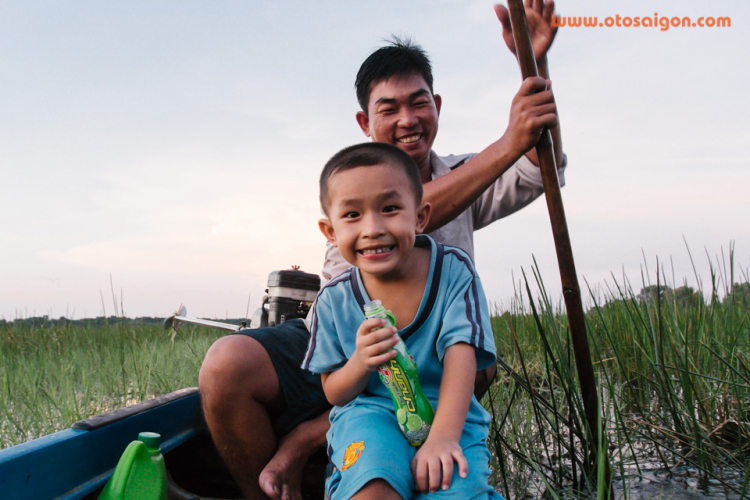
(436, 455)
(372, 346)
(533, 109)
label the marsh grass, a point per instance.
(54, 373)
(673, 370)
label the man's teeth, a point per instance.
(410, 139)
(369, 251)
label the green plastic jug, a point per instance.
(140, 474)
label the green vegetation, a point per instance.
(673, 367)
(56, 372)
(674, 377)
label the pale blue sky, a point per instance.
(176, 145)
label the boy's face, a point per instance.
(373, 218)
(403, 112)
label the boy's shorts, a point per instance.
(286, 344)
(365, 443)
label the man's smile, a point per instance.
(409, 138)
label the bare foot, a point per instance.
(281, 479)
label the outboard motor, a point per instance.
(290, 294)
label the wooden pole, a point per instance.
(568, 276)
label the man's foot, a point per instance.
(281, 479)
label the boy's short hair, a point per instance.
(399, 57)
(369, 154)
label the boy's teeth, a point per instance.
(369, 251)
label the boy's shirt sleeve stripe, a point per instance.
(471, 299)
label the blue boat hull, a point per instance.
(77, 462)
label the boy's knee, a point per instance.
(379, 489)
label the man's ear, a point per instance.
(326, 228)
(423, 216)
(364, 122)
(438, 102)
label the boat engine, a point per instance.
(289, 295)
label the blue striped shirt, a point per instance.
(453, 309)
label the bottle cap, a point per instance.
(150, 439)
(371, 306)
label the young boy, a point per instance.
(372, 196)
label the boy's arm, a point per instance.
(372, 350)
(532, 110)
(442, 447)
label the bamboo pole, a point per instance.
(568, 276)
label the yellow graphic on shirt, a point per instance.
(352, 453)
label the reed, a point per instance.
(672, 364)
(673, 374)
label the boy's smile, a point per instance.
(373, 219)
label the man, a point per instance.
(265, 414)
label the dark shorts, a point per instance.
(286, 344)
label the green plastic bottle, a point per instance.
(140, 474)
(413, 410)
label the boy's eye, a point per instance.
(390, 208)
(351, 215)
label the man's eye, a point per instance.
(387, 111)
(421, 103)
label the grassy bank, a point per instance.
(53, 373)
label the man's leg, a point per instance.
(483, 380)
(281, 478)
(241, 391)
(239, 388)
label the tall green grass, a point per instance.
(53, 374)
(673, 367)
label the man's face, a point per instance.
(403, 112)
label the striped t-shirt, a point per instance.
(453, 309)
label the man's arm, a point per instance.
(442, 447)
(532, 110)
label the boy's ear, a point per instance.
(423, 216)
(326, 228)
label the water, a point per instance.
(682, 483)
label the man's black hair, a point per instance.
(398, 58)
(369, 154)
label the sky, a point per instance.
(159, 153)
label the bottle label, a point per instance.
(413, 410)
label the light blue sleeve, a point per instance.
(324, 351)
(467, 318)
